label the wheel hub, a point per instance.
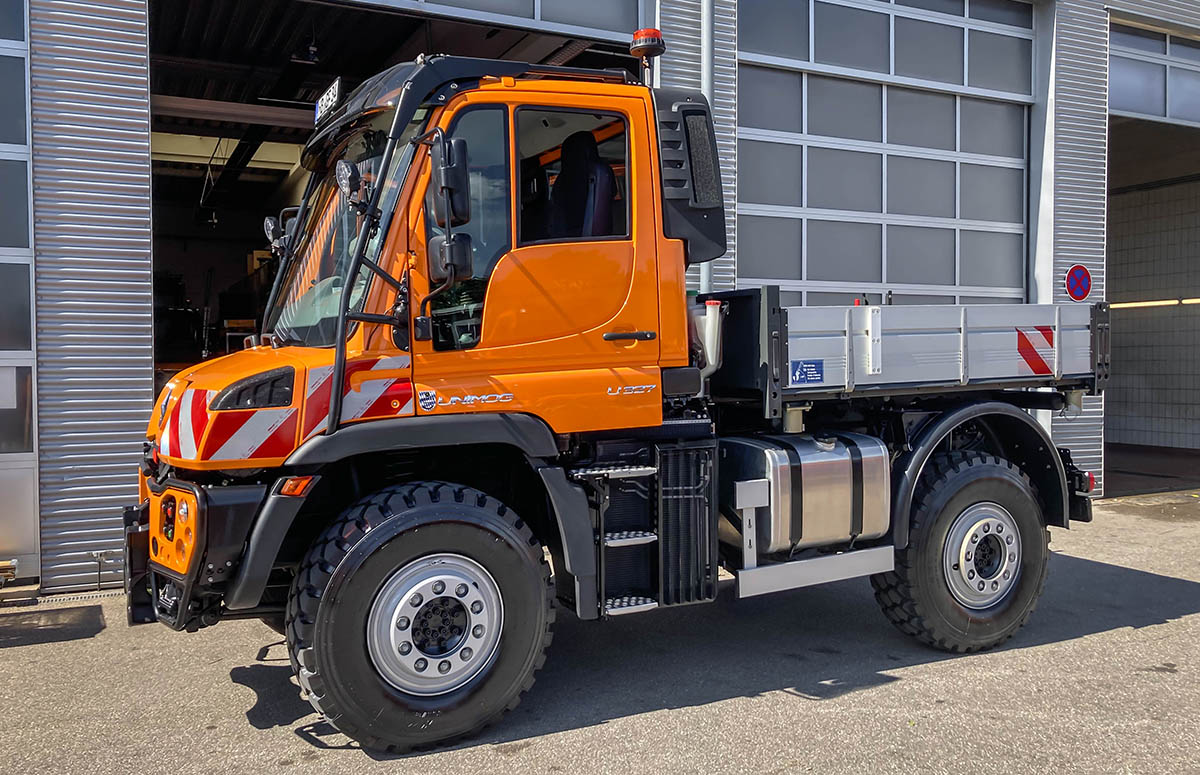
(435, 624)
(982, 556)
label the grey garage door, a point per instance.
(883, 147)
(1154, 76)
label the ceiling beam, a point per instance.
(233, 112)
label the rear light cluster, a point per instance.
(168, 517)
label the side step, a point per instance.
(629, 538)
(629, 604)
(777, 577)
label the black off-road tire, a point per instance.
(916, 596)
(336, 585)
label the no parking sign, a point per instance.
(1079, 282)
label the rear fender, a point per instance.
(1026, 444)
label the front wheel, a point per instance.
(976, 559)
(420, 615)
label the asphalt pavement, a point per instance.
(1104, 678)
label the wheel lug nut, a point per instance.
(476, 607)
(405, 648)
(477, 631)
(402, 623)
(438, 587)
(466, 653)
(987, 528)
(999, 528)
(975, 538)
(1008, 540)
(461, 590)
(444, 666)
(970, 574)
(420, 665)
(416, 600)
(994, 585)
(981, 586)
(1006, 574)
(1012, 558)
(968, 555)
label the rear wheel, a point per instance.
(420, 615)
(976, 559)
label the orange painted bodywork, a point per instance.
(176, 552)
(547, 307)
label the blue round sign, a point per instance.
(1079, 282)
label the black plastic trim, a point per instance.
(681, 381)
(578, 543)
(271, 527)
(526, 432)
(699, 223)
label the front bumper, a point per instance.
(176, 572)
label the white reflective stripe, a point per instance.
(257, 429)
(395, 362)
(164, 436)
(187, 440)
(406, 409)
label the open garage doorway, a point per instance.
(233, 87)
(1152, 411)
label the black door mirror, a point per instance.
(451, 182)
(450, 258)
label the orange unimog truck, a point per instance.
(481, 388)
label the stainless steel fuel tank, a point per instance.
(825, 488)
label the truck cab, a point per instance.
(482, 390)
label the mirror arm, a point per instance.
(382, 274)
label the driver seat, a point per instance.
(581, 201)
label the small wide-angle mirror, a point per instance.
(452, 257)
(348, 179)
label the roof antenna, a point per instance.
(647, 46)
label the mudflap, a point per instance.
(139, 597)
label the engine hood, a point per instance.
(191, 428)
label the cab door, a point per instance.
(560, 318)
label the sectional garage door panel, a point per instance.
(91, 180)
(897, 136)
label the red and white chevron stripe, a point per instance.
(181, 433)
(1036, 348)
(382, 397)
(249, 434)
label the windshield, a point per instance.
(306, 309)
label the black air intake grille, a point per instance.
(687, 522)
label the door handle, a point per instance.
(637, 336)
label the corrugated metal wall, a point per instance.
(1081, 187)
(679, 21)
(91, 182)
(1081, 165)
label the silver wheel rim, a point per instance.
(435, 624)
(982, 555)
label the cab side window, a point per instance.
(458, 314)
(574, 183)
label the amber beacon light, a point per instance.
(647, 45)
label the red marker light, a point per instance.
(1091, 482)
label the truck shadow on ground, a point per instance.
(29, 627)
(816, 644)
